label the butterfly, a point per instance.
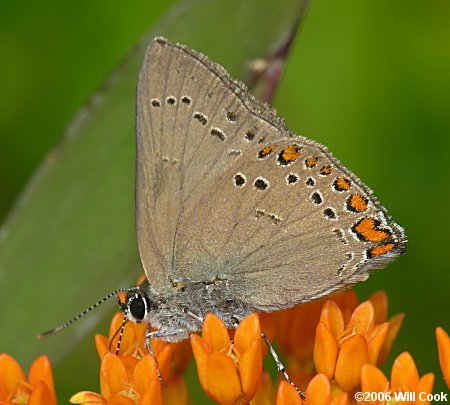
(234, 212)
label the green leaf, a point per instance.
(70, 240)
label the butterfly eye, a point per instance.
(138, 307)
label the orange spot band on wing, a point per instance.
(381, 250)
(357, 203)
(366, 229)
(290, 153)
(326, 170)
(311, 161)
(267, 150)
(342, 184)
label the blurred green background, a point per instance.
(371, 80)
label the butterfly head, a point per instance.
(135, 304)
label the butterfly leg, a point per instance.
(192, 315)
(148, 336)
(280, 365)
(158, 334)
(278, 362)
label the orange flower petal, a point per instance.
(341, 399)
(113, 375)
(129, 339)
(20, 394)
(153, 395)
(201, 352)
(8, 403)
(425, 385)
(296, 328)
(268, 322)
(347, 301)
(140, 329)
(175, 393)
(373, 380)
(114, 326)
(182, 354)
(395, 323)
(404, 374)
(284, 320)
(302, 330)
(363, 319)
(250, 369)
(380, 305)
(120, 400)
(248, 331)
(332, 317)
(133, 336)
(102, 345)
(129, 363)
(144, 373)
(122, 297)
(287, 394)
(158, 345)
(376, 340)
(352, 356)
(87, 397)
(10, 373)
(215, 334)
(41, 370)
(265, 394)
(163, 358)
(41, 395)
(318, 391)
(222, 379)
(325, 350)
(443, 344)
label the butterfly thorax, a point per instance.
(181, 312)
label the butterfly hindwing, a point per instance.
(225, 190)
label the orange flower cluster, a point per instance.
(404, 379)
(318, 336)
(132, 376)
(341, 349)
(218, 360)
(39, 389)
(124, 381)
(332, 347)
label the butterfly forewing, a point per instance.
(225, 190)
(189, 128)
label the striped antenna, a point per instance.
(125, 320)
(68, 323)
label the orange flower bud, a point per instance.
(379, 300)
(395, 323)
(375, 341)
(325, 351)
(352, 356)
(443, 343)
(14, 388)
(318, 391)
(228, 372)
(404, 374)
(287, 394)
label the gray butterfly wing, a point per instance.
(225, 190)
(186, 123)
(286, 227)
